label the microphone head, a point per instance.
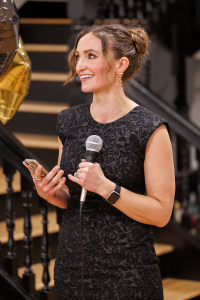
(94, 143)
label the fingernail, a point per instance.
(57, 167)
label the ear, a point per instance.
(123, 64)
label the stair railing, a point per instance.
(183, 135)
(13, 153)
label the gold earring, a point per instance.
(119, 79)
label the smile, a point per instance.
(86, 76)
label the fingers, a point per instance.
(31, 171)
(38, 171)
(85, 164)
(50, 175)
(53, 176)
(57, 187)
(74, 179)
(56, 178)
(53, 179)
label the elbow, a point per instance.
(162, 223)
(164, 217)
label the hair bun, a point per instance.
(140, 39)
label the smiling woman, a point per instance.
(116, 41)
(130, 187)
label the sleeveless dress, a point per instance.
(119, 256)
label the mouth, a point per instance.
(86, 77)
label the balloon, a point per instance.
(14, 84)
(9, 33)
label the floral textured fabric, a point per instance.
(119, 256)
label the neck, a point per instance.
(108, 106)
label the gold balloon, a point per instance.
(14, 84)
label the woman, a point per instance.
(136, 157)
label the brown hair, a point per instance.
(121, 41)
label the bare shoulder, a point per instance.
(159, 139)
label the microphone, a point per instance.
(93, 146)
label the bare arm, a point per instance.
(154, 208)
(56, 194)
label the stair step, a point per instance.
(38, 271)
(42, 76)
(49, 61)
(69, 21)
(50, 91)
(42, 107)
(43, 9)
(46, 48)
(3, 183)
(179, 289)
(46, 21)
(37, 227)
(57, 34)
(38, 140)
(162, 249)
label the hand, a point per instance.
(48, 186)
(91, 177)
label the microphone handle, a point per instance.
(83, 195)
(90, 157)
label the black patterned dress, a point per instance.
(119, 257)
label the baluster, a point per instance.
(198, 186)
(155, 12)
(0, 250)
(184, 153)
(100, 9)
(11, 261)
(47, 292)
(128, 8)
(111, 10)
(144, 8)
(28, 276)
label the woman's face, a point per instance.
(91, 65)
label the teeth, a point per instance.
(86, 76)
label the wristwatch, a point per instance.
(114, 196)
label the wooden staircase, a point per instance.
(34, 125)
(174, 289)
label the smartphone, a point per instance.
(33, 164)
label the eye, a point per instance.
(91, 56)
(77, 57)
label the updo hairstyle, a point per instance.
(121, 41)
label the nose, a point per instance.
(81, 64)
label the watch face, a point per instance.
(113, 198)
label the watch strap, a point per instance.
(114, 196)
(117, 189)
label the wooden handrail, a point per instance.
(12, 150)
(179, 124)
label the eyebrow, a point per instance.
(89, 50)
